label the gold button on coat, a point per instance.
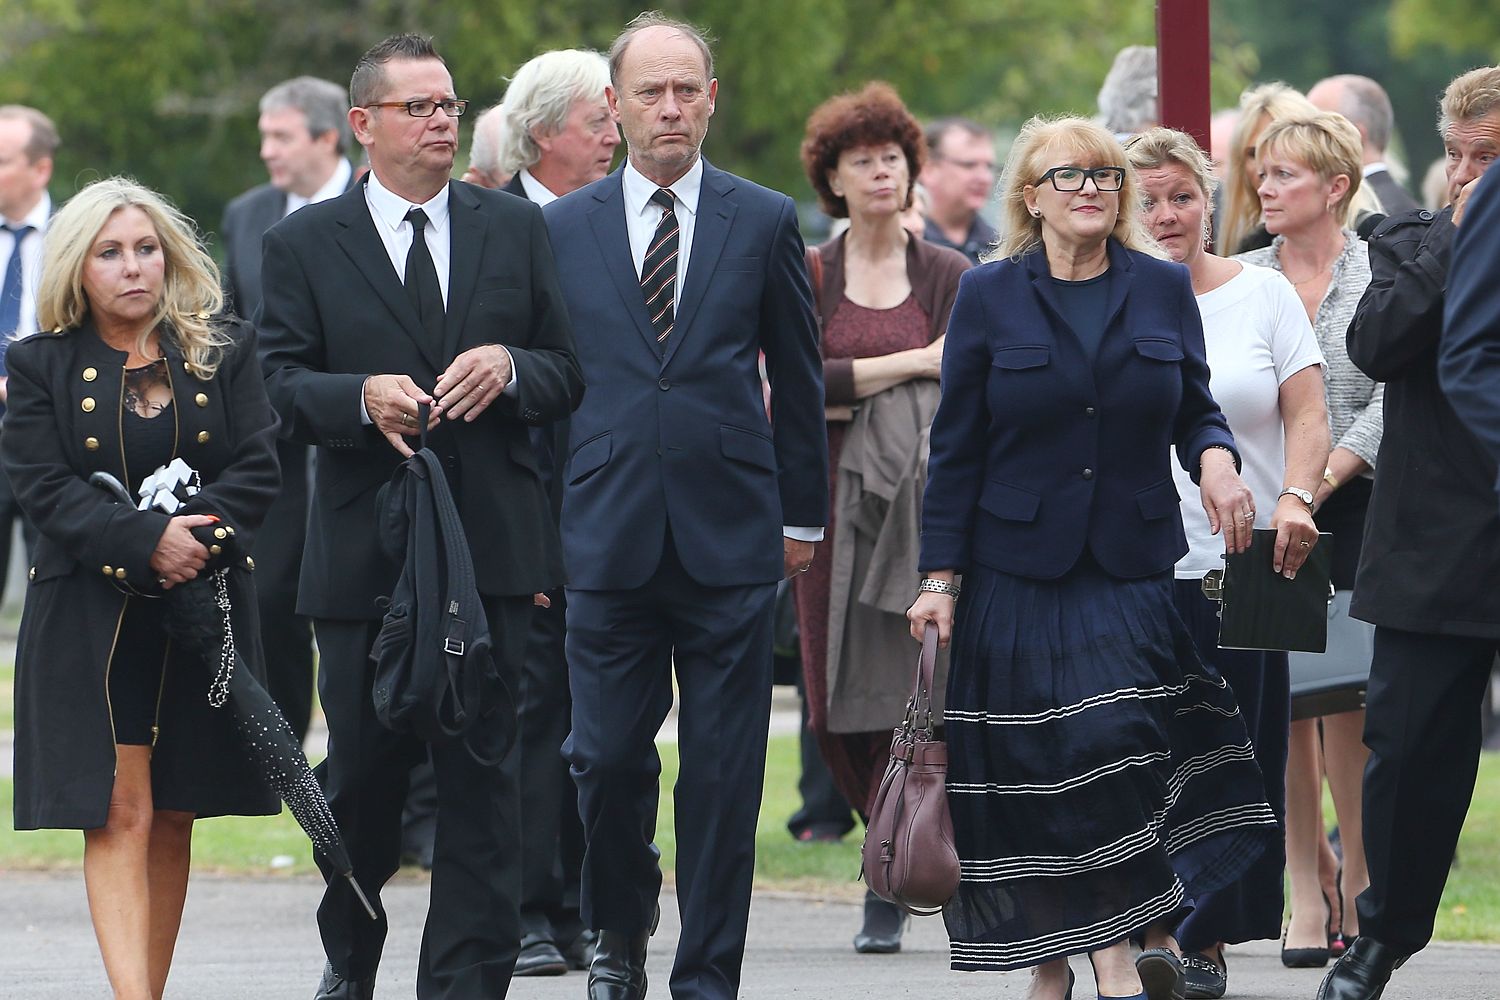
(250, 563)
(109, 571)
(214, 550)
(201, 399)
(87, 404)
(31, 573)
(89, 374)
(91, 443)
(220, 533)
(203, 437)
(120, 573)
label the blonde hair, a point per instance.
(1156, 147)
(1040, 140)
(1326, 143)
(1470, 96)
(191, 293)
(1259, 107)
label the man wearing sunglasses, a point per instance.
(413, 289)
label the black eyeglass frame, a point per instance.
(1084, 174)
(453, 107)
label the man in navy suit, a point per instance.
(683, 506)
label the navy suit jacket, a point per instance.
(1469, 361)
(1037, 452)
(682, 439)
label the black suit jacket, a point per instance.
(336, 312)
(1433, 530)
(1394, 199)
(1469, 361)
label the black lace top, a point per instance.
(147, 424)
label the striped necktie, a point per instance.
(10, 289)
(659, 270)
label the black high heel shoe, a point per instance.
(883, 925)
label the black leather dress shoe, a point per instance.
(883, 925)
(1361, 972)
(580, 952)
(619, 968)
(335, 987)
(540, 957)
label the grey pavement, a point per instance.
(255, 939)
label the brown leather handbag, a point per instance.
(909, 857)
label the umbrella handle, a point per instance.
(112, 486)
(360, 893)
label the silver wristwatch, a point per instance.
(1300, 494)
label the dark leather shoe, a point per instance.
(619, 968)
(580, 953)
(335, 987)
(882, 929)
(539, 957)
(1361, 972)
(1161, 974)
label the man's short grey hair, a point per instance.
(539, 98)
(1365, 103)
(324, 104)
(488, 137)
(44, 141)
(938, 130)
(1127, 101)
(656, 19)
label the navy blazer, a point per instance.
(1036, 452)
(1469, 355)
(682, 439)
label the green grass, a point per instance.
(1470, 909)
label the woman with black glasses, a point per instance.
(1099, 774)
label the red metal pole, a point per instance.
(1182, 66)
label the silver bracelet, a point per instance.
(938, 587)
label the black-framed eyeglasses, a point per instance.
(1069, 179)
(453, 108)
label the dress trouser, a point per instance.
(1422, 725)
(473, 932)
(552, 837)
(286, 636)
(622, 647)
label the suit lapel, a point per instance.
(710, 232)
(357, 238)
(465, 249)
(607, 218)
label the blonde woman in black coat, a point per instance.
(114, 731)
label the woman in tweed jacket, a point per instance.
(1309, 172)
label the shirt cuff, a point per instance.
(364, 414)
(515, 376)
(797, 534)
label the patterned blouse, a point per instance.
(1355, 402)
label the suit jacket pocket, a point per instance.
(589, 457)
(1010, 503)
(1159, 349)
(51, 562)
(1158, 500)
(1021, 357)
(747, 446)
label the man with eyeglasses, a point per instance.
(959, 178)
(412, 289)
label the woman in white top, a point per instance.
(1267, 378)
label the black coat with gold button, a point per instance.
(64, 423)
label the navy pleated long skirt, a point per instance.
(1099, 775)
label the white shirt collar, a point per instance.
(389, 209)
(39, 214)
(638, 189)
(336, 184)
(535, 190)
(1374, 168)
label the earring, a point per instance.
(1036, 213)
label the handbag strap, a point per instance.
(921, 696)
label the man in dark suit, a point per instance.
(557, 136)
(1437, 632)
(683, 506)
(1366, 104)
(304, 138)
(413, 289)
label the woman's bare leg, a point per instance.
(1308, 925)
(167, 867)
(1345, 756)
(115, 874)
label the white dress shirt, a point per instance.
(642, 216)
(388, 212)
(336, 185)
(31, 261)
(537, 192)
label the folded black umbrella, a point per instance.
(198, 619)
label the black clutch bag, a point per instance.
(1261, 609)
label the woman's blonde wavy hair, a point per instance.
(191, 293)
(1259, 107)
(1038, 146)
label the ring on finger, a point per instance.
(1305, 544)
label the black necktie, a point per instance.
(659, 269)
(421, 278)
(10, 290)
